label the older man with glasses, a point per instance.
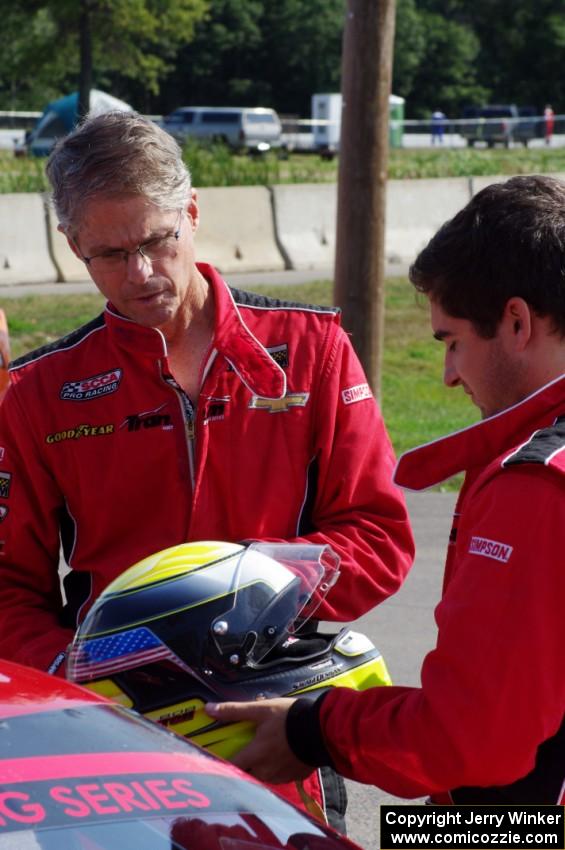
(188, 410)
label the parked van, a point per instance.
(251, 128)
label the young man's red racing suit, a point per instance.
(487, 724)
(102, 450)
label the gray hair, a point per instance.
(113, 154)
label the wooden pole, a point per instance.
(368, 44)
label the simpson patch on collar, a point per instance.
(490, 549)
(279, 405)
(357, 393)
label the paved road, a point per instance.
(245, 280)
(10, 138)
(404, 630)
(241, 279)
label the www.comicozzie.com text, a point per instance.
(469, 826)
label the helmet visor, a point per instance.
(275, 588)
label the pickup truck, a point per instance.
(500, 124)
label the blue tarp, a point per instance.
(60, 116)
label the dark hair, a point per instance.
(508, 241)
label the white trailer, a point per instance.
(326, 121)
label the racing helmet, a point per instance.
(216, 621)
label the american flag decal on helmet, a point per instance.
(106, 655)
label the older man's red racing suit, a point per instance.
(101, 448)
(487, 724)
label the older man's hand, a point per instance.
(268, 757)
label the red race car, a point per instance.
(80, 773)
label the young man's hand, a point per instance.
(268, 757)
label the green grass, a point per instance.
(416, 405)
(35, 320)
(474, 162)
(21, 174)
(215, 165)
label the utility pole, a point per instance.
(368, 44)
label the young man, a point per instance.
(487, 724)
(186, 411)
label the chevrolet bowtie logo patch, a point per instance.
(279, 405)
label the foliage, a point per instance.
(260, 53)
(21, 174)
(302, 52)
(160, 54)
(447, 74)
(471, 162)
(409, 47)
(30, 69)
(219, 64)
(520, 53)
(215, 165)
(132, 40)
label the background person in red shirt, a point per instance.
(549, 123)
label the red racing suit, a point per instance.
(487, 724)
(102, 451)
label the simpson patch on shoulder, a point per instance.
(490, 549)
(357, 393)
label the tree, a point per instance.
(85, 52)
(131, 40)
(302, 51)
(159, 54)
(521, 63)
(409, 47)
(521, 44)
(261, 53)
(30, 71)
(447, 74)
(220, 64)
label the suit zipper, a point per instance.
(188, 412)
(189, 415)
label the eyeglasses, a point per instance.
(160, 248)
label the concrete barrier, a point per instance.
(305, 223)
(416, 209)
(236, 231)
(24, 251)
(241, 230)
(306, 214)
(69, 267)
